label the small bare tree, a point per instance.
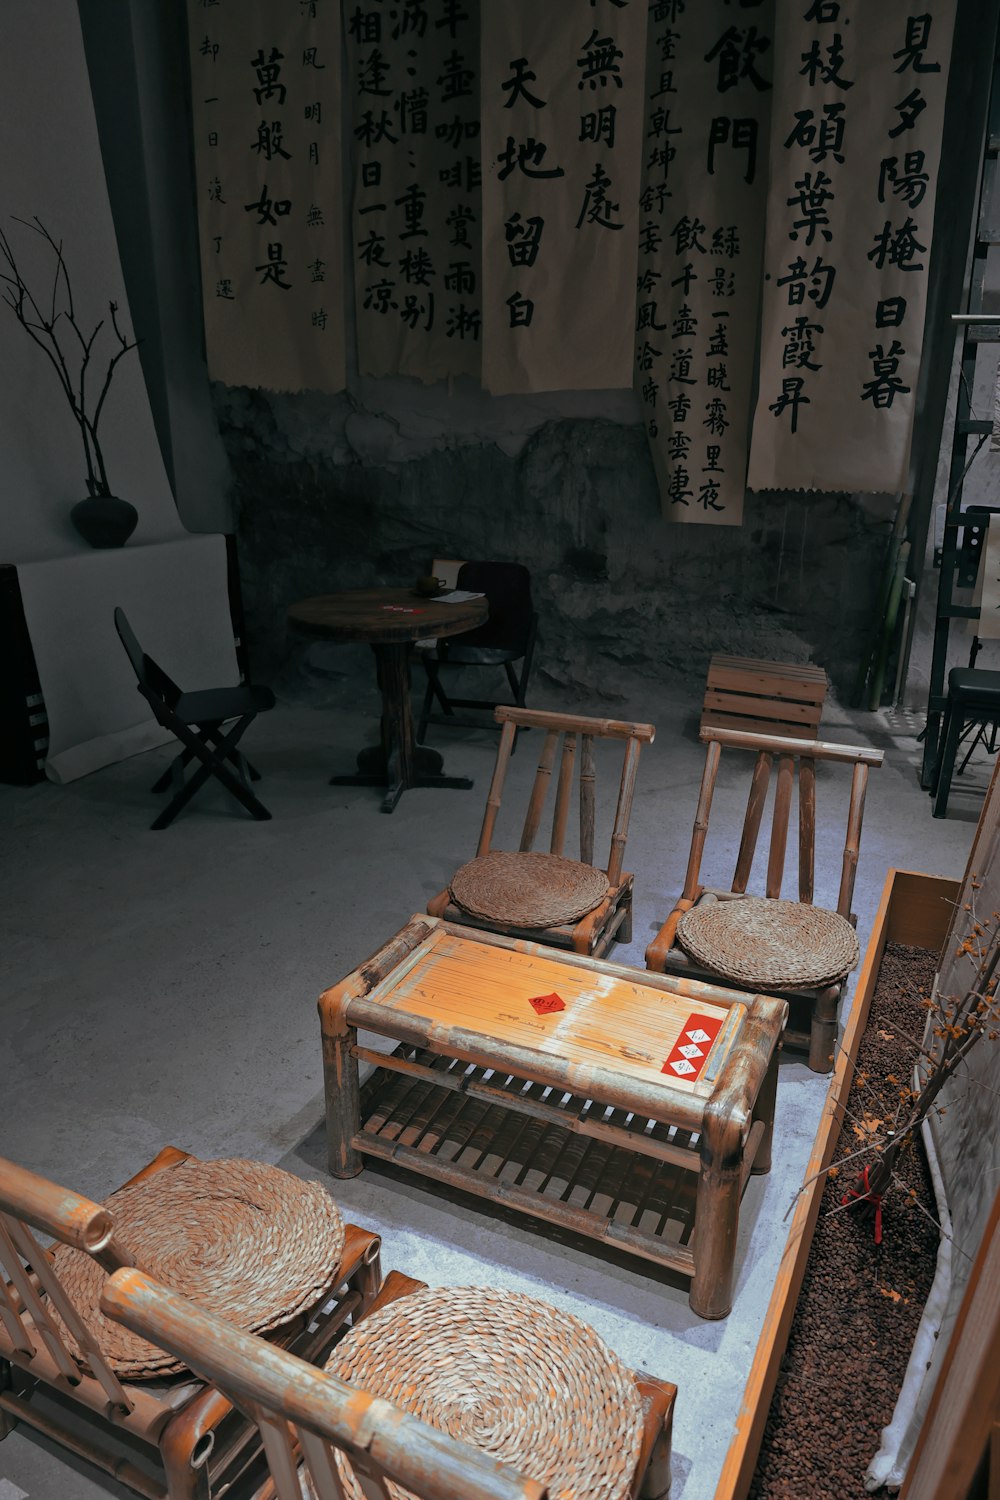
(57, 326)
(893, 1109)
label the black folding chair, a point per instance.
(507, 637)
(197, 720)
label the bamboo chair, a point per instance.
(305, 1415)
(191, 1440)
(610, 919)
(813, 1011)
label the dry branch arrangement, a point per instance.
(895, 1108)
(51, 322)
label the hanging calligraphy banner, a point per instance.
(414, 96)
(562, 122)
(265, 87)
(701, 234)
(855, 150)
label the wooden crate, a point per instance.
(768, 697)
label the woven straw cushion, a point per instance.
(769, 944)
(529, 1385)
(528, 890)
(250, 1242)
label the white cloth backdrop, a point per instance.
(51, 167)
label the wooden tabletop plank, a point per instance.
(616, 1022)
(384, 615)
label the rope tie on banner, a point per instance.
(862, 1193)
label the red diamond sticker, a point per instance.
(545, 1004)
(692, 1047)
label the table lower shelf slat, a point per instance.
(530, 1154)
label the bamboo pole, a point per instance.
(564, 788)
(496, 788)
(539, 790)
(701, 818)
(752, 820)
(588, 787)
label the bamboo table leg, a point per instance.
(341, 1087)
(397, 762)
(720, 1187)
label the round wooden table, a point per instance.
(390, 620)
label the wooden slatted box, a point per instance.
(767, 697)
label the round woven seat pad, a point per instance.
(529, 1385)
(527, 889)
(769, 944)
(250, 1242)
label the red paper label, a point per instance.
(692, 1047)
(544, 1004)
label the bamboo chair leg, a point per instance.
(7, 1419)
(186, 1467)
(625, 926)
(823, 1028)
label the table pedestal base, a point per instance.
(374, 771)
(398, 762)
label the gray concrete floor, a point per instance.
(161, 987)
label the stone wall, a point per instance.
(337, 492)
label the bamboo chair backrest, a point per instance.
(572, 728)
(29, 1287)
(305, 1414)
(792, 755)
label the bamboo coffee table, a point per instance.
(626, 1106)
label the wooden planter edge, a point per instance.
(914, 908)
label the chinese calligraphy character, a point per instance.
(827, 72)
(521, 310)
(822, 140)
(821, 279)
(530, 150)
(917, 36)
(517, 84)
(791, 399)
(737, 51)
(598, 61)
(268, 209)
(267, 75)
(413, 202)
(890, 312)
(741, 135)
(800, 343)
(813, 196)
(910, 184)
(274, 268)
(599, 126)
(886, 386)
(597, 207)
(269, 141)
(897, 247)
(908, 110)
(523, 238)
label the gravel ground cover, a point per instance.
(860, 1303)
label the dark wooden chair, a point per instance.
(973, 703)
(506, 639)
(813, 1008)
(313, 1423)
(568, 903)
(191, 1439)
(199, 721)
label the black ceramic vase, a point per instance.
(104, 520)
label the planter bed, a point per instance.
(860, 1304)
(838, 1331)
